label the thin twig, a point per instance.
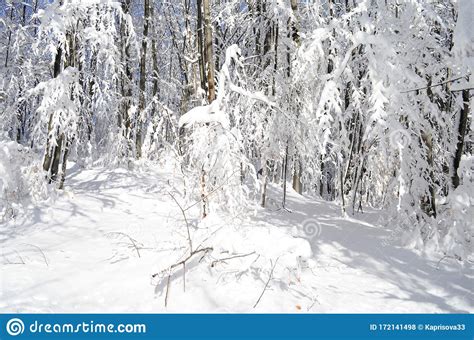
(186, 221)
(435, 85)
(314, 302)
(187, 258)
(229, 258)
(167, 289)
(183, 263)
(19, 256)
(137, 249)
(284, 208)
(465, 89)
(441, 260)
(184, 277)
(40, 250)
(213, 191)
(266, 285)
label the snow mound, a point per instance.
(203, 114)
(21, 179)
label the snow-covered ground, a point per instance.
(96, 248)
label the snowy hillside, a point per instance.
(97, 247)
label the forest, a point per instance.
(307, 116)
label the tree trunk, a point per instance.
(142, 81)
(285, 174)
(462, 128)
(124, 120)
(428, 203)
(53, 148)
(201, 49)
(64, 164)
(297, 171)
(9, 40)
(209, 59)
(271, 32)
(263, 199)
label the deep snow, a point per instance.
(96, 247)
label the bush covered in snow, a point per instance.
(21, 178)
(456, 222)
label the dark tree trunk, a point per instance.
(201, 49)
(52, 155)
(124, 120)
(142, 81)
(462, 128)
(209, 59)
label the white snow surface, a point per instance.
(96, 247)
(203, 114)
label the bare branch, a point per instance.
(40, 250)
(132, 241)
(213, 191)
(435, 85)
(266, 285)
(185, 220)
(230, 258)
(181, 263)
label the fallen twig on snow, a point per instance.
(181, 263)
(230, 258)
(266, 285)
(40, 250)
(19, 256)
(119, 233)
(441, 260)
